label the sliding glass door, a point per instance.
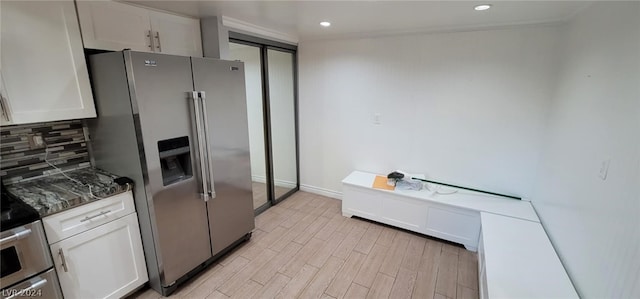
(272, 112)
(282, 116)
(250, 55)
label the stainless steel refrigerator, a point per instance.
(177, 126)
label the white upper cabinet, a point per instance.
(176, 35)
(115, 26)
(44, 72)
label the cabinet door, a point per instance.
(404, 212)
(482, 272)
(105, 262)
(361, 202)
(43, 63)
(454, 224)
(176, 35)
(108, 25)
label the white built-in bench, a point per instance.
(515, 256)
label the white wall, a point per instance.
(467, 108)
(595, 114)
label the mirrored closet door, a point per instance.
(282, 117)
(270, 72)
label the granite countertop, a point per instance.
(56, 193)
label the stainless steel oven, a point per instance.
(43, 285)
(25, 252)
(26, 263)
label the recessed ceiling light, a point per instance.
(325, 24)
(482, 7)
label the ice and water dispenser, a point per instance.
(175, 159)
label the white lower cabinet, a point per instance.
(482, 272)
(415, 214)
(361, 202)
(483, 285)
(404, 212)
(97, 249)
(104, 262)
(517, 260)
(453, 224)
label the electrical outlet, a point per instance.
(36, 141)
(604, 168)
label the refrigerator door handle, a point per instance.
(203, 157)
(203, 98)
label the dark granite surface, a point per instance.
(56, 193)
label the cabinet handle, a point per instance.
(94, 216)
(3, 107)
(158, 46)
(64, 262)
(150, 40)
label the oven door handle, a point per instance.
(15, 236)
(33, 286)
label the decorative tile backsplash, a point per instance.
(23, 149)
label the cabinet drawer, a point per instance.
(77, 220)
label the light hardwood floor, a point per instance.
(304, 248)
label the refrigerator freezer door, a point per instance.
(161, 88)
(231, 211)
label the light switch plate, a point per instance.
(376, 118)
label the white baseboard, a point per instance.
(279, 183)
(286, 184)
(321, 191)
(259, 179)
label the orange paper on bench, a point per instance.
(381, 183)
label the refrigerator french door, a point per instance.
(221, 87)
(178, 127)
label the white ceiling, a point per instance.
(357, 18)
